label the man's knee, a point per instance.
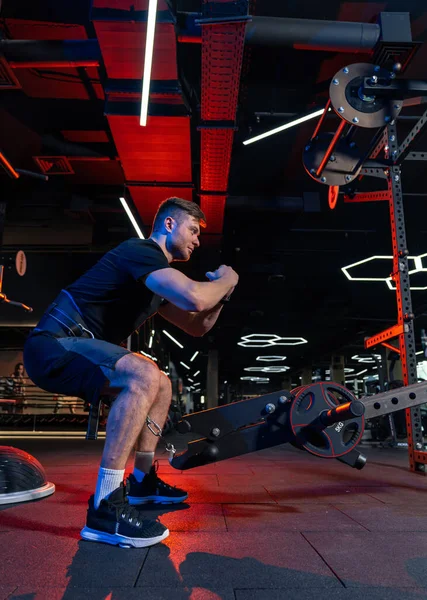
(136, 374)
(165, 386)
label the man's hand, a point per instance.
(224, 272)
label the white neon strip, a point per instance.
(194, 356)
(418, 263)
(132, 218)
(148, 355)
(361, 372)
(153, 332)
(184, 365)
(172, 338)
(317, 113)
(150, 342)
(148, 61)
(189, 379)
(195, 374)
(420, 352)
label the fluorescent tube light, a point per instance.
(194, 356)
(148, 61)
(184, 365)
(196, 373)
(172, 338)
(298, 121)
(132, 218)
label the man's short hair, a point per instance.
(174, 207)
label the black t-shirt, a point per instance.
(112, 296)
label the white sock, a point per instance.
(108, 481)
(143, 463)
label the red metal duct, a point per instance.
(222, 56)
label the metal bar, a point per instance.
(373, 172)
(331, 148)
(416, 156)
(373, 145)
(368, 197)
(51, 52)
(403, 150)
(322, 118)
(403, 297)
(50, 64)
(381, 144)
(387, 334)
(393, 400)
(390, 347)
(396, 89)
(8, 167)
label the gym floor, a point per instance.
(273, 525)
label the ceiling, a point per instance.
(69, 106)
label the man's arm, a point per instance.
(193, 323)
(189, 295)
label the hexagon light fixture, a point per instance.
(419, 266)
(276, 369)
(263, 340)
(271, 358)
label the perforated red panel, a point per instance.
(216, 157)
(222, 54)
(147, 199)
(123, 49)
(159, 152)
(213, 207)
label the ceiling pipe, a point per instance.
(302, 34)
(310, 34)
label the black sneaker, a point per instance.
(153, 489)
(116, 522)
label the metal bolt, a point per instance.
(392, 75)
(313, 171)
(374, 79)
(396, 178)
(355, 120)
(352, 144)
(394, 153)
(335, 81)
(215, 432)
(284, 400)
(387, 118)
(377, 68)
(396, 106)
(270, 408)
(332, 159)
(307, 148)
(346, 70)
(341, 109)
(418, 446)
(348, 177)
(392, 138)
(323, 180)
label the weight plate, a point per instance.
(354, 107)
(333, 441)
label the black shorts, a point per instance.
(61, 356)
(70, 366)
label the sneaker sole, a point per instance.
(156, 499)
(91, 535)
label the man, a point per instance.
(74, 350)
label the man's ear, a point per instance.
(169, 224)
